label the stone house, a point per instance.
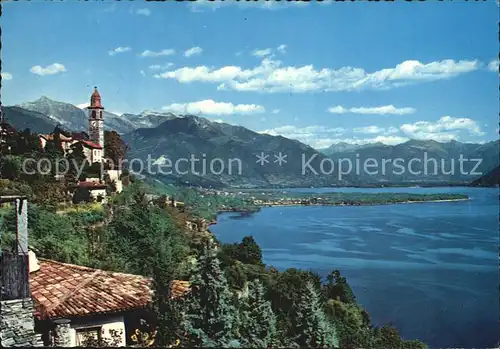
(17, 325)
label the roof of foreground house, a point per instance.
(62, 290)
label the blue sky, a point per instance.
(321, 73)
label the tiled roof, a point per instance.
(92, 185)
(62, 290)
(91, 144)
(50, 137)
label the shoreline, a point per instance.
(259, 207)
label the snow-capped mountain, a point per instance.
(74, 118)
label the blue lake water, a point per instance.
(430, 269)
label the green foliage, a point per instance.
(115, 148)
(52, 235)
(139, 233)
(10, 167)
(353, 327)
(8, 187)
(210, 315)
(248, 251)
(310, 326)
(258, 323)
(82, 195)
(168, 310)
(50, 194)
(236, 276)
(337, 287)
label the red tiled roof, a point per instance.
(95, 100)
(51, 137)
(66, 290)
(91, 144)
(95, 185)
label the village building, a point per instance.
(92, 146)
(93, 152)
(96, 188)
(92, 303)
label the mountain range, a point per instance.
(76, 119)
(163, 138)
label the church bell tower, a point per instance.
(96, 121)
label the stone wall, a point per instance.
(17, 324)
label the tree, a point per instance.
(50, 194)
(27, 143)
(258, 323)
(210, 315)
(337, 287)
(168, 310)
(115, 149)
(353, 327)
(140, 233)
(53, 148)
(82, 195)
(311, 328)
(10, 167)
(249, 252)
(77, 163)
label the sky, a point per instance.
(322, 73)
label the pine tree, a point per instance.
(209, 320)
(310, 324)
(167, 309)
(258, 322)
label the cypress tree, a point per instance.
(258, 322)
(310, 324)
(210, 318)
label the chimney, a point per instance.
(22, 225)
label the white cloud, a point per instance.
(165, 52)
(315, 136)
(382, 110)
(193, 51)
(202, 5)
(276, 111)
(119, 50)
(375, 130)
(493, 65)
(262, 53)
(443, 130)
(143, 12)
(271, 76)
(142, 73)
(211, 107)
(82, 105)
(6, 76)
(48, 70)
(269, 52)
(161, 66)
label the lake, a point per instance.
(430, 269)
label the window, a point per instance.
(88, 336)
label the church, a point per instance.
(93, 147)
